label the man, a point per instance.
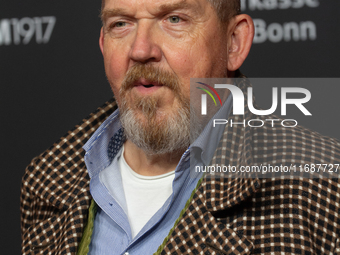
(130, 191)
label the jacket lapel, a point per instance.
(56, 187)
(225, 190)
(198, 231)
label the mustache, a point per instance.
(152, 74)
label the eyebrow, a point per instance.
(112, 12)
(174, 6)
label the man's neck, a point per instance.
(150, 165)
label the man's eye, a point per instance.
(174, 19)
(119, 24)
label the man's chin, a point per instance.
(156, 117)
(159, 133)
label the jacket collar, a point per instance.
(226, 190)
(59, 175)
(215, 194)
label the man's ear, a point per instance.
(241, 29)
(101, 40)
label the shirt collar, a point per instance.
(206, 144)
(97, 147)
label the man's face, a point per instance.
(177, 39)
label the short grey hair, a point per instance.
(226, 9)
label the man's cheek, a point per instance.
(115, 77)
(113, 69)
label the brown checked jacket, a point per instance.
(225, 215)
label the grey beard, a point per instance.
(171, 134)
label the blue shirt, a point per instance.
(112, 233)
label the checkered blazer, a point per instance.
(225, 215)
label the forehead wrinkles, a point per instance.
(156, 8)
(194, 6)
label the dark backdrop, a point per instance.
(52, 75)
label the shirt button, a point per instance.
(126, 253)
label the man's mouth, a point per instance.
(148, 86)
(147, 83)
(145, 86)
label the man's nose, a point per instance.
(145, 47)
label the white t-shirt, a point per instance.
(144, 195)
